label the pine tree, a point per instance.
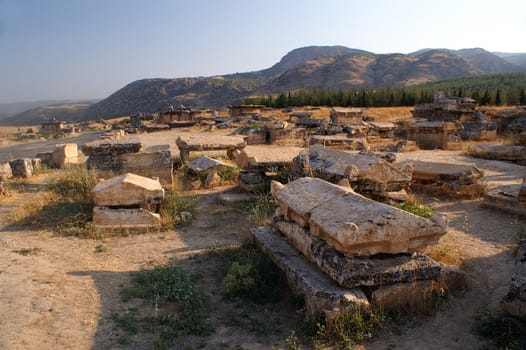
(522, 99)
(498, 98)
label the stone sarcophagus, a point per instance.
(361, 252)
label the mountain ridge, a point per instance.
(310, 67)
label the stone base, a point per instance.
(505, 199)
(321, 293)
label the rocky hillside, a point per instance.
(35, 116)
(319, 67)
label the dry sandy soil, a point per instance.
(63, 295)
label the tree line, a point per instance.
(497, 89)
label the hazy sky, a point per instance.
(61, 49)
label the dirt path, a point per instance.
(62, 294)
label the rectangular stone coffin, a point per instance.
(353, 272)
(430, 172)
(265, 158)
(288, 136)
(127, 190)
(22, 167)
(432, 134)
(111, 147)
(358, 226)
(106, 217)
(208, 142)
(321, 293)
(153, 162)
(364, 172)
(351, 223)
(505, 198)
(338, 141)
(499, 152)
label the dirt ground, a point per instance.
(62, 294)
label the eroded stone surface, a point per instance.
(358, 271)
(204, 164)
(124, 218)
(65, 154)
(355, 225)
(514, 302)
(128, 189)
(298, 198)
(500, 152)
(366, 173)
(506, 199)
(111, 147)
(265, 158)
(208, 142)
(321, 293)
(5, 171)
(22, 167)
(446, 173)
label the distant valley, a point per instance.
(314, 67)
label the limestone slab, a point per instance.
(446, 173)
(111, 147)
(514, 302)
(366, 173)
(208, 142)
(298, 198)
(321, 293)
(499, 152)
(266, 158)
(106, 217)
(358, 226)
(204, 164)
(353, 272)
(126, 190)
(338, 141)
(5, 171)
(505, 198)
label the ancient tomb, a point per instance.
(208, 142)
(127, 201)
(112, 157)
(361, 252)
(367, 174)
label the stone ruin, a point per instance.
(112, 157)
(511, 199)
(127, 201)
(447, 179)
(5, 174)
(208, 142)
(470, 124)
(346, 252)
(207, 171)
(62, 156)
(260, 165)
(514, 303)
(516, 154)
(434, 134)
(366, 173)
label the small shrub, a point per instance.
(239, 279)
(75, 185)
(28, 251)
(501, 331)
(414, 206)
(228, 174)
(262, 209)
(174, 209)
(101, 248)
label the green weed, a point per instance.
(501, 331)
(262, 209)
(414, 206)
(175, 209)
(28, 251)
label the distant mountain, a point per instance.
(518, 59)
(64, 112)
(313, 67)
(10, 109)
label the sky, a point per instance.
(88, 49)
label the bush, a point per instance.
(175, 209)
(262, 209)
(414, 206)
(501, 331)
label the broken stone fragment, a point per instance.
(111, 147)
(127, 190)
(22, 167)
(205, 164)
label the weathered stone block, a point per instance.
(506, 199)
(64, 154)
(126, 190)
(440, 173)
(289, 136)
(124, 218)
(321, 293)
(499, 152)
(5, 171)
(355, 225)
(111, 147)
(22, 167)
(514, 302)
(338, 141)
(208, 142)
(358, 271)
(266, 158)
(205, 164)
(298, 198)
(366, 173)
(402, 295)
